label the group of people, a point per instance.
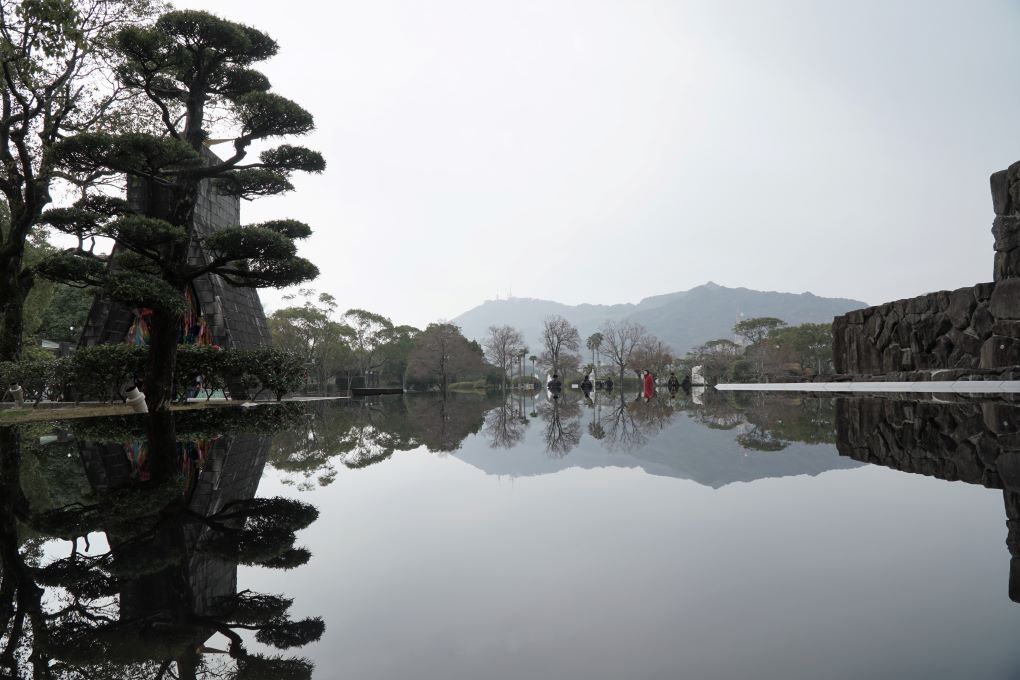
(647, 384)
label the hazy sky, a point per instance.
(588, 151)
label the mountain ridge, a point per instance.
(681, 319)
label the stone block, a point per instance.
(982, 321)
(1007, 327)
(892, 358)
(1008, 465)
(920, 305)
(966, 341)
(999, 350)
(1001, 202)
(1007, 264)
(1000, 418)
(1005, 300)
(983, 291)
(1006, 231)
(873, 326)
(987, 448)
(941, 352)
(961, 306)
(888, 332)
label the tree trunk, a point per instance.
(162, 361)
(14, 289)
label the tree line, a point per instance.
(359, 348)
(624, 346)
(765, 348)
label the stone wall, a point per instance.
(975, 328)
(969, 328)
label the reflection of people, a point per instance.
(586, 384)
(607, 385)
(648, 384)
(554, 385)
(673, 384)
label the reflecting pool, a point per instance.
(713, 536)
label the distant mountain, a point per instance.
(683, 320)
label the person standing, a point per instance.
(647, 384)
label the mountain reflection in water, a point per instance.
(121, 539)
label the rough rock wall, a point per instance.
(969, 328)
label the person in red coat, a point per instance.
(647, 384)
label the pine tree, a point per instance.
(195, 70)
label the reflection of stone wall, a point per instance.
(968, 441)
(969, 328)
(974, 442)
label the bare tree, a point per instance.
(502, 347)
(651, 354)
(559, 338)
(619, 340)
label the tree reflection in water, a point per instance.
(356, 433)
(160, 600)
(562, 419)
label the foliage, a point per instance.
(442, 351)
(780, 352)
(56, 57)
(194, 68)
(104, 372)
(370, 331)
(757, 329)
(651, 354)
(35, 376)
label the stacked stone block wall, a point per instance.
(976, 328)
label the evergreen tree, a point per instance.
(195, 69)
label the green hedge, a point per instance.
(105, 372)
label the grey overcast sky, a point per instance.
(605, 151)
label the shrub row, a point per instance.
(105, 372)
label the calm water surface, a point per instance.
(742, 536)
